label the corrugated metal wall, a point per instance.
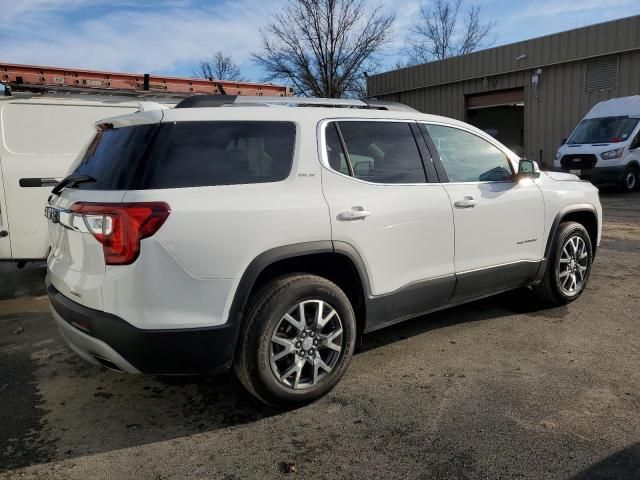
(554, 108)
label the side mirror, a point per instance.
(528, 169)
(564, 141)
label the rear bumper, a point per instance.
(98, 336)
(600, 175)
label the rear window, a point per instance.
(189, 154)
(113, 158)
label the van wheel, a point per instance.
(630, 179)
(568, 265)
(297, 341)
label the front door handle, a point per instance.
(356, 213)
(466, 202)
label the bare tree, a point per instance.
(324, 48)
(437, 34)
(218, 67)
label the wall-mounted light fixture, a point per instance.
(535, 79)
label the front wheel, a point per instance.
(568, 266)
(297, 342)
(630, 179)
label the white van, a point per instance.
(605, 146)
(40, 136)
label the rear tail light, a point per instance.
(119, 227)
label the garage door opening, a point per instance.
(501, 115)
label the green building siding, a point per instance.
(561, 102)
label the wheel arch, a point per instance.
(634, 164)
(336, 261)
(584, 214)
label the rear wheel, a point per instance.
(297, 342)
(568, 267)
(630, 179)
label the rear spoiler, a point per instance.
(142, 117)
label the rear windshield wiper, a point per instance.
(70, 181)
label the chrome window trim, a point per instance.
(324, 160)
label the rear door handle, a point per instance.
(466, 202)
(356, 213)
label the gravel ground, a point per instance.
(495, 389)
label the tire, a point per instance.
(306, 351)
(630, 180)
(556, 286)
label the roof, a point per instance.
(581, 43)
(622, 106)
(86, 99)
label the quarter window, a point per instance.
(379, 152)
(469, 158)
(225, 153)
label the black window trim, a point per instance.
(343, 145)
(442, 173)
(324, 160)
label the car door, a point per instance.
(499, 219)
(382, 207)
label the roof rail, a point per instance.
(198, 101)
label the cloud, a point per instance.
(552, 8)
(127, 38)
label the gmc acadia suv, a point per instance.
(267, 234)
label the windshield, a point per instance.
(603, 130)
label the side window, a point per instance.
(469, 158)
(224, 153)
(636, 142)
(335, 153)
(382, 152)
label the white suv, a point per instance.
(268, 234)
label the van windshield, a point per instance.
(603, 130)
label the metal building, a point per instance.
(530, 94)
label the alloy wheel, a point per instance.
(306, 344)
(574, 263)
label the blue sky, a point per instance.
(170, 36)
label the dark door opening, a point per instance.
(501, 115)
